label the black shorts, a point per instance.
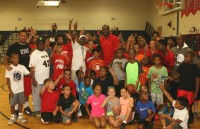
(177, 126)
(198, 96)
(49, 117)
(146, 124)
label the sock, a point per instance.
(26, 105)
(12, 115)
(20, 115)
(16, 107)
(124, 121)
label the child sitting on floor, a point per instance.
(97, 114)
(180, 117)
(68, 105)
(112, 105)
(146, 110)
(49, 99)
(126, 105)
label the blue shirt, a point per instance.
(142, 108)
(84, 93)
(77, 84)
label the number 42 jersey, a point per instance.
(40, 61)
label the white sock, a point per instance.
(124, 121)
(12, 115)
(26, 105)
(20, 115)
(16, 107)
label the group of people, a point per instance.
(110, 81)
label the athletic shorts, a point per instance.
(18, 98)
(110, 113)
(65, 118)
(122, 117)
(177, 126)
(145, 123)
(157, 98)
(49, 117)
(198, 97)
(99, 115)
(27, 85)
(188, 94)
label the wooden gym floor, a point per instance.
(34, 122)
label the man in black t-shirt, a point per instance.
(23, 50)
(106, 80)
(68, 106)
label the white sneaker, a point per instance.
(22, 120)
(11, 121)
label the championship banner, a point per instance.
(191, 6)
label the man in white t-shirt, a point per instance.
(15, 82)
(79, 54)
(40, 68)
(181, 115)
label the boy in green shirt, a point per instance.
(133, 70)
(157, 75)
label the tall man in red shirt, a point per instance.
(109, 44)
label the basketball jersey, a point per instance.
(16, 76)
(40, 61)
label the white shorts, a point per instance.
(157, 98)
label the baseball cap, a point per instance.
(82, 36)
(41, 39)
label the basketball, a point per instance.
(131, 88)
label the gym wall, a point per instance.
(185, 23)
(91, 14)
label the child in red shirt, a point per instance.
(138, 56)
(143, 77)
(66, 80)
(49, 97)
(89, 55)
(59, 61)
(96, 63)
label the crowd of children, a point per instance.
(111, 81)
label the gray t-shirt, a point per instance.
(119, 73)
(111, 103)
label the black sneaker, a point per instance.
(122, 126)
(16, 114)
(28, 111)
(74, 118)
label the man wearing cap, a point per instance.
(109, 44)
(79, 54)
(23, 50)
(40, 68)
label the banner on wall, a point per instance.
(191, 6)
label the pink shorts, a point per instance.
(27, 85)
(188, 94)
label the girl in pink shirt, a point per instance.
(126, 105)
(97, 113)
